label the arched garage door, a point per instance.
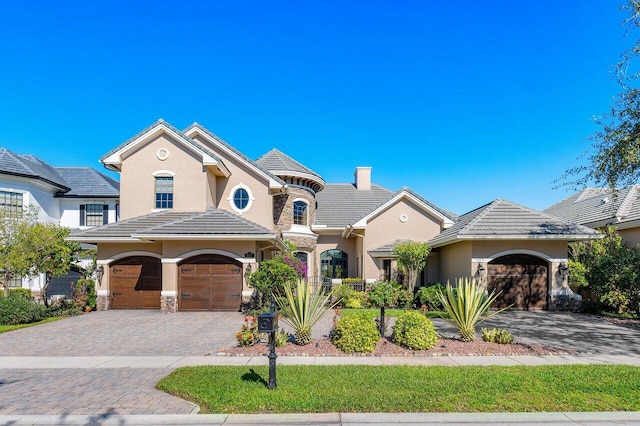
(523, 280)
(210, 283)
(136, 283)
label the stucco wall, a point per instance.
(455, 262)
(137, 182)
(390, 226)
(630, 236)
(552, 248)
(328, 242)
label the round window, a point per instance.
(241, 198)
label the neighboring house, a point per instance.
(75, 197)
(597, 208)
(198, 216)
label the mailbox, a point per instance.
(268, 322)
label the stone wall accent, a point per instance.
(565, 300)
(169, 304)
(102, 302)
(283, 208)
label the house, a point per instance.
(197, 216)
(597, 208)
(75, 197)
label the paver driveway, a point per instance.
(123, 332)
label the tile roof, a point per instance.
(387, 248)
(276, 160)
(210, 223)
(234, 150)
(31, 167)
(599, 206)
(88, 182)
(503, 219)
(342, 204)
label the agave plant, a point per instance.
(466, 305)
(302, 308)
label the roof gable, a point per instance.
(407, 194)
(503, 219)
(197, 129)
(113, 159)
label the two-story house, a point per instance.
(75, 197)
(197, 216)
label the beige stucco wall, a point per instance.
(137, 182)
(630, 236)
(387, 228)
(454, 261)
(261, 211)
(551, 248)
(328, 242)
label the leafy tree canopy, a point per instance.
(412, 259)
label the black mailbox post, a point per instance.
(268, 323)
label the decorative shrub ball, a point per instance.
(414, 330)
(356, 333)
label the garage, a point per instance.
(523, 280)
(210, 283)
(136, 283)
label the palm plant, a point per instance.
(302, 308)
(466, 305)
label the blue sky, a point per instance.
(462, 101)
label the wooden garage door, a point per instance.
(210, 283)
(522, 279)
(136, 283)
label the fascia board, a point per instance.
(572, 237)
(272, 183)
(116, 158)
(363, 222)
(298, 174)
(258, 237)
(107, 240)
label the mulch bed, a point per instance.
(444, 347)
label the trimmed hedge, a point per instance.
(414, 330)
(356, 333)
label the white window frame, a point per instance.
(231, 198)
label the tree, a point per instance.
(615, 157)
(271, 279)
(412, 259)
(14, 259)
(49, 252)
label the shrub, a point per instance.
(356, 333)
(18, 309)
(303, 309)
(414, 331)
(383, 294)
(497, 335)
(429, 296)
(282, 337)
(63, 308)
(248, 334)
(24, 293)
(273, 276)
(467, 305)
(347, 297)
(404, 298)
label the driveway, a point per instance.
(579, 333)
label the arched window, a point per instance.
(334, 264)
(300, 216)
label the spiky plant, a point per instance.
(302, 308)
(466, 306)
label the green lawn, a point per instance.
(321, 389)
(5, 328)
(373, 313)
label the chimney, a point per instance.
(363, 178)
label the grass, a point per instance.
(5, 328)
(375, 312)
(322, 389)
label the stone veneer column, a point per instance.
(103, 302)
(169, 302)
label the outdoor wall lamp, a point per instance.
(99, 274)
(563, 270)
(248, 271)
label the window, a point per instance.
(334, 264)
(94, 214)
(164, 192)
(386, 267)
(300, 213)
(14, 282)
(241, 198)
(10, 204)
